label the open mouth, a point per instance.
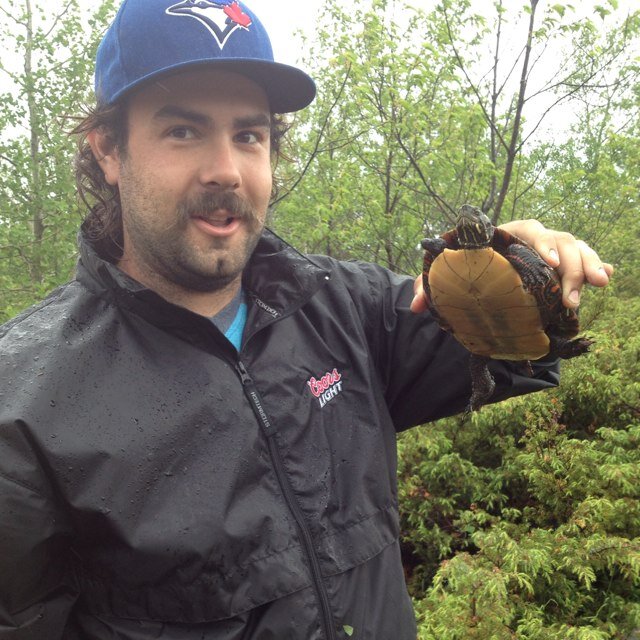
(217, 225)
(219, 222)
(216, 220)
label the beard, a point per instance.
(167, 252)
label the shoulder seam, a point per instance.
(27, 313)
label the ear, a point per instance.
(106, 153)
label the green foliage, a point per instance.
(415, 117)
(387, 125)
(47, 60)
(524, 521)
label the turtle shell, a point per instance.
(495, 293)
(497, 297)
(480, 297)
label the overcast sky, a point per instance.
(283, 18)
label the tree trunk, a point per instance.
(37, 218)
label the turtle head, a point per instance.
(474, 228)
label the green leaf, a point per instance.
(348, 629)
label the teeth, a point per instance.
(216, 222)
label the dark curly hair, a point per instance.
(102, 224)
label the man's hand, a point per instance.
(576, 262)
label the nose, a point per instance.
(219, 168)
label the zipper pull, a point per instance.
(245, 378)
(254, 397)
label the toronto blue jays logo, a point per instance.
(221, 17)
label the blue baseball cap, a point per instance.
(149, 38)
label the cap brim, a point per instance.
(288, 89)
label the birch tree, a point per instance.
(45, 66)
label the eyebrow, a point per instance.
(249, 122)
(244, 122)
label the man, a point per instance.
(197, 434)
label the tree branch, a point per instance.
(440, 202)
(9, 160)
(316, 147)
(515, 131)
(58, 18)
(13, 18)
(470, 82)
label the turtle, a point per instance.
(495, 294)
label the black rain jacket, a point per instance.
(154, 483)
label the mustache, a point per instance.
(208, 203)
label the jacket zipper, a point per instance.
(258, 409)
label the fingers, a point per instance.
(419, 302)
(576, 262)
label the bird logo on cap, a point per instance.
(221, 17)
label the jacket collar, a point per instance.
(277, 277)
(281, 278)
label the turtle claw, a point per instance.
(568, 349)
(477, 401)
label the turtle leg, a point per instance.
(434, 246)
(563, 348)
(482, 382)
(531, 268)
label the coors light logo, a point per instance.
(327, 387)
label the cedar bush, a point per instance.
(524, 520)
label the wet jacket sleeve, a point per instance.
(35, 597)
(423, 369)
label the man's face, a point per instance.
(195, 180)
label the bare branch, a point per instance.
(440, 202)
(316, 147)
(585, 84)
(511, 71)
(58, 18)
(9, 160)
(470, 82)
(13, 18)
(493, 151)
(515, 130)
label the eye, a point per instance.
(249, 137)
(182, 133)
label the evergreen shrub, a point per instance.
(524, 520)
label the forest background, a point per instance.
(522, 521)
